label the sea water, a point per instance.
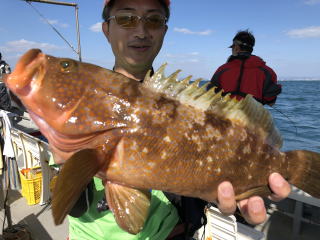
(297, 115)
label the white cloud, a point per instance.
(64, 25)
(187, 31)
(22, 45)
(193, 60)
(169, 55)
(182, 56)
(311, 2)
(53, 22)
(309, 32)
(96, 27)
(192, 57)
(56, 23)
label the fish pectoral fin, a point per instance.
(130, 206)
(262, 191)
(72, 180)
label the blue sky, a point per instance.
(287, 33)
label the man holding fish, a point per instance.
(135, 30)
(131, 130)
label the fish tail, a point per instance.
(304, 171)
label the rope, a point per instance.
(278, 110)
(54, 29)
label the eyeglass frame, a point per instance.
(139, 19)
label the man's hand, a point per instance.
(252, 209)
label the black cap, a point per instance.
(244, 38)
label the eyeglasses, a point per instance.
(129, 20)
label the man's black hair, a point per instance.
(107, 8)
(247, 39)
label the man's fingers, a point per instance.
(226, 199)
(279, 186)
(253, 210)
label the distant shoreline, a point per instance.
(282, 80)
(279, 80)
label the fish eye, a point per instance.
(65, 65)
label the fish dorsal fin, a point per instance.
(246, 112)
(249, 112)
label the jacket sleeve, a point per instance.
(271, 89)
(214, 82)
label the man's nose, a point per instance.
(141, 31)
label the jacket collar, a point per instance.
(240, 56)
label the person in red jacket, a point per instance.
(245, 73)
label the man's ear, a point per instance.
(166, 29)
(105, 29)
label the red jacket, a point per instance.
(256, 78)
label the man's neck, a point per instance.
(136, 75)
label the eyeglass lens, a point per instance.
(131, 21)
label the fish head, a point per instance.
(43, 84)
(67, 98)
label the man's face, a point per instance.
(235, 49)
(135, 48)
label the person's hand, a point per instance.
(252, 209)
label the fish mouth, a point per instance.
(69, 142)
(60, 141)
(28, 73)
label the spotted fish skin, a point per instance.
(163, 134)
(183, 150)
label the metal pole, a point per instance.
(78, 33)
(53, 2)
(77, 19)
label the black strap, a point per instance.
(237, 91)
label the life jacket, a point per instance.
(247, 74)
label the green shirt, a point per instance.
(163, 216)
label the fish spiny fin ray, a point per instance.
(247, 112)
(129, 206)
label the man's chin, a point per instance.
(140, 63)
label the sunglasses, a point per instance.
(128, 20)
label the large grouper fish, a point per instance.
(161, 134)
